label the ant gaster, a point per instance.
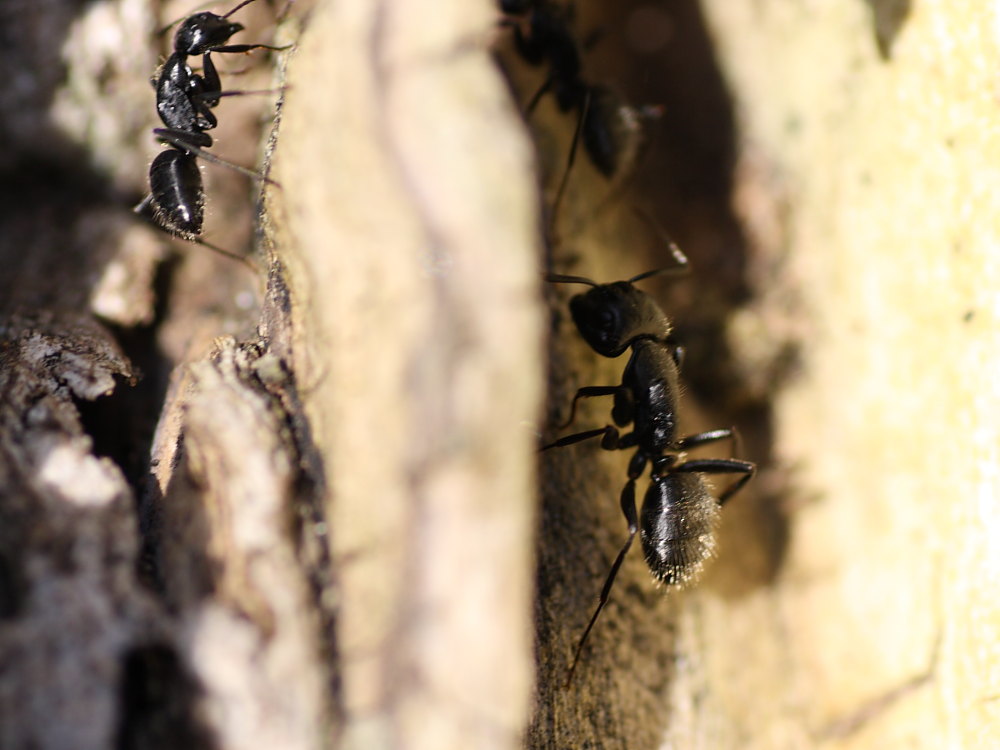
(184, 101)
(679, 513)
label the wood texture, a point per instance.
(403, 230)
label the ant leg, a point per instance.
(203, 102)
(242, 92)
(211, 83)
(589, 391)
(628, 509)
(148, 209)
(249, 47)
(578, 438)
(611, 440)
(227, 254)
(569, 161)
(180, 141)
(703, 438)
(209, 71)
(720, 466)
(537, 96)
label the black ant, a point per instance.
(184, 101)
(679, 513)
(608, 127)
(548, 40)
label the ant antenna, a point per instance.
(682, 267)
(558, 278)
(668, 241)
(658, 272)
(584, 111)
(245, 2)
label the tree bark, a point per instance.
(328, 518)
(298, 503)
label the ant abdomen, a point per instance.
(176, 196)
(604, 131)
(677, 529)
(612, 131)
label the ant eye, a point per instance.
(607, 320)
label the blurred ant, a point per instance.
(184, 101)
(609, 128)
(679, 513)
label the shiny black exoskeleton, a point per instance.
(679, 513)
(184, 101)
(176, 200)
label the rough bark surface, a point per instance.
(303, 539)
(405, 263)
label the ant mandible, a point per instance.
(679, 513)
(184, 101)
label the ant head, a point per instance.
(610, 317)
(203, 32)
